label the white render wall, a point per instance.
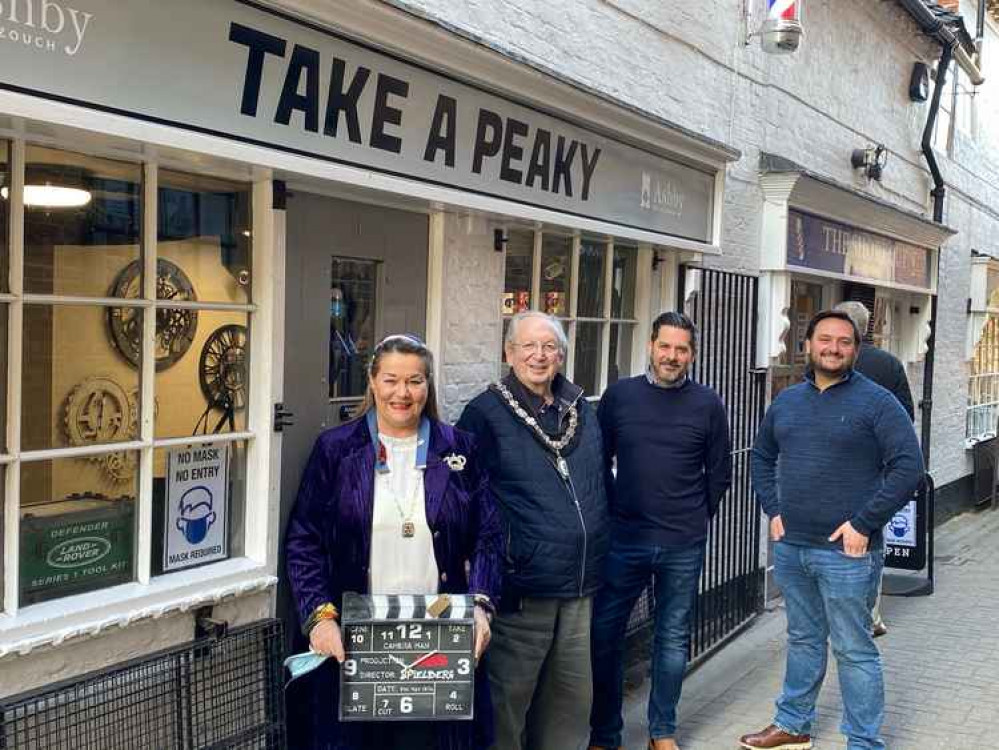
(847, 87)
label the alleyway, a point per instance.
(941, 663)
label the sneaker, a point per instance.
(775, 738)
(879, 629)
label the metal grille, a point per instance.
(983, 384)
(212, 693)
(723, 305)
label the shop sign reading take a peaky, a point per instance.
(238, 70)
(196, 528)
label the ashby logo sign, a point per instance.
(44, 24)
(661, 195)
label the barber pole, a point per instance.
(782, 32)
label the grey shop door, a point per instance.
(354, 273)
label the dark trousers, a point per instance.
(674, 573)
(539, 673)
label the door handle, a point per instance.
(282, 417)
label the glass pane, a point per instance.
(519, 267)
(204, 232)
(4, 216)
(204, 387)
(4, 311)
(82, 223)
(625, 272)
(77, 528)
(556, 265)
(77, 388)
(587, 357)
(353, 305)
(591, 280)
(199, 504)
(622, 336)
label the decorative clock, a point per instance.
(175, 327)
(223, 368)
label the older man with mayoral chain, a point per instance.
(670, 438)
(835, 458)
(540, 441)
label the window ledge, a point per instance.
(88, 615)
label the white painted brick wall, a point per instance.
(847, 87)
(473, 327)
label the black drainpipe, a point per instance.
(939, 192)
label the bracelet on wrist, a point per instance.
(323, 612)
(485, 603)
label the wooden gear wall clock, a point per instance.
(175, 327)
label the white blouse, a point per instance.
(401, 564)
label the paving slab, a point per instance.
(941, 660)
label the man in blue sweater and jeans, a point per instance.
(670, 438)
(835, 458)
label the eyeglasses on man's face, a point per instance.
(548, 348)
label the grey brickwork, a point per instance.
(846, 88)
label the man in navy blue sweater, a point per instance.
(835, 458)
(670, 438)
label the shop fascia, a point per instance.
(262, 78)
(816, 228)
(44, 24)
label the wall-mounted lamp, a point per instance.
(871, 159)
(499, 240)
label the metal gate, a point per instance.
(723, 305)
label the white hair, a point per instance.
(553, 323)
(858, 313)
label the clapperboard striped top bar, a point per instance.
(404, 607)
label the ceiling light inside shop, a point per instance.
(51, 196)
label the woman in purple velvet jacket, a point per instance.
(391, 503)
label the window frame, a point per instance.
(572, 320)
(22, 627)
(991, 319)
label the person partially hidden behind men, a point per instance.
(835, 459)
(886, 370)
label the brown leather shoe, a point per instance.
(775, 738)
(601, 747)
(664, 743)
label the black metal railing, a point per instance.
(724, 307)
(212, 693)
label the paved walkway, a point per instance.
(941, 664)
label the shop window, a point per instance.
(82, 221)
(4, 216)
(78, 391)
(353, 309)
(199, 501)
(590, 285)
(91, 423)
(202, 364)
(77, 529)
(203, 233)
(519, 271)
(591, 280)
(983, 384)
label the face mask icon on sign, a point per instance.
(196, 514)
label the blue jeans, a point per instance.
(829, 596)
(674, 572)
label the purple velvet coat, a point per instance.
(328, 547)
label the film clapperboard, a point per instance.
(409, 658)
